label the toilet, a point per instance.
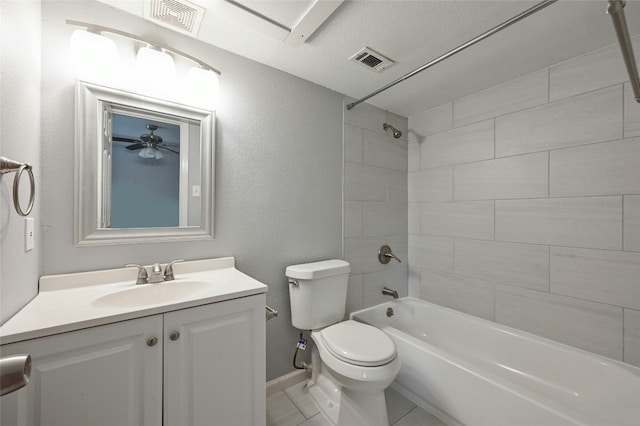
(352, 363)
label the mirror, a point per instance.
(143, 168)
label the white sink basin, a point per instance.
(153, 294)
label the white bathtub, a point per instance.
(474, 372)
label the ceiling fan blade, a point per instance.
(123, 139)
(168, 149)
(135, 146)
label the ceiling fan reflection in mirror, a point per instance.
(149, 144)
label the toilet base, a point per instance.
(341, 405)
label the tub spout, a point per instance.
(388, 292)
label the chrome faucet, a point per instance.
(156, 274)
(168, 271)
(388, 292)
(143, 277)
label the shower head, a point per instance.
(396, 133)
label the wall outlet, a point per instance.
(29, 237)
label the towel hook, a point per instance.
(9, 166)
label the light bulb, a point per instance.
(95, 57)
(156, 73)
(202, 88)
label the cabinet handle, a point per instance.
(175, 335)
(152, 341)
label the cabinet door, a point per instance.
(105, 375)
(214, 373)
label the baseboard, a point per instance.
(283, 382)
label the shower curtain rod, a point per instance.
(616, 11)
(460, 48)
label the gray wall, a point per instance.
(278, 171)
(20, 141)
(375, 203)
(524, 205)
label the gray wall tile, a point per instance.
(352, 219)
(413, 225)
(362, 253)
(395, 279)
(414, 278)
(522, 176)
(354, 294)
(460, 145)
(432, 121)
(353, 137)
(380, 219)
(470, 219)
(594, 222)
(515, 95)
(365, 183)
(632, 222)
(365, 116)
(587, 325)
(470, 295)
(384, 151)
(631, 113)
(606, 168)
(632, 337)
(431, 252)
(431, 185)
(594, 70)
(414, 156)
(583, 119)
(520, 265)
(604, 276)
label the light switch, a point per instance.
(195, 190)
(29, 237)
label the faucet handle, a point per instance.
(143, 277)
(385, 255)
(168, 271)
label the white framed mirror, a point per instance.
(144, 168)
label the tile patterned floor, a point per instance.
(292, 407)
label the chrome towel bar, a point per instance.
(10, 166)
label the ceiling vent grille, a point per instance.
(182, 15)
(371, 59)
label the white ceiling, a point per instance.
(411, 33)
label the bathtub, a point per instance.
(470, 371)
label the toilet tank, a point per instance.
(318, 293)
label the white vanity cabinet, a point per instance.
(203, 365)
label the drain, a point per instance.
(389, 312)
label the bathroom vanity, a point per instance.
(106, 351)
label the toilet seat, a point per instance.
(358, 344)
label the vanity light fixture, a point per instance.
(97, 60)
(94, 56)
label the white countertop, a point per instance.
(72, 301)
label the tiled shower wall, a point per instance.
(375, 203)
(524, 205)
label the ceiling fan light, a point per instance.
(150, 154)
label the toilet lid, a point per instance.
(359, 344)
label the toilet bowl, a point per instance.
(352, 362)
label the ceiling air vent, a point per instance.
(371, 59)
(182, 15)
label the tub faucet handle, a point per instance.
(385, 255)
